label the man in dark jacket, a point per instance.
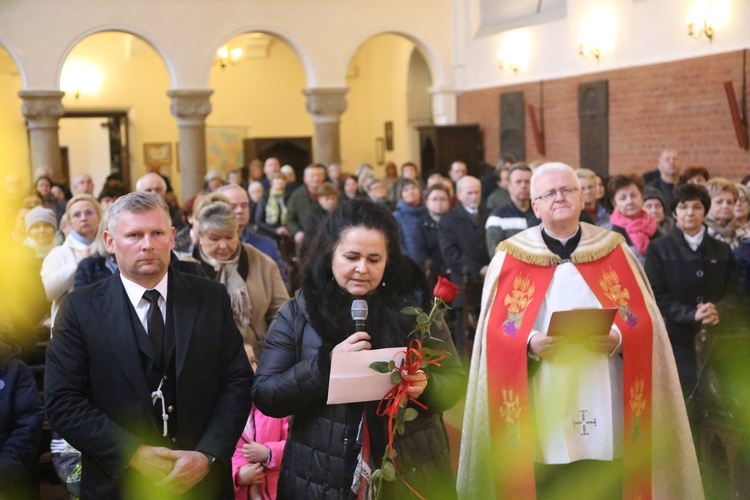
(21, 419)
(462, 243)
(145, 373)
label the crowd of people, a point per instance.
(121, 284)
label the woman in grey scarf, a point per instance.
(252, 278)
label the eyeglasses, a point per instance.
(88, 213)
(566, 192)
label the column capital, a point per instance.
(42, 105)
(327, 103)
(190, 106)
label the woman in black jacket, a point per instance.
(355, 256)
(690, 273)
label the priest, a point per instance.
(560, 416)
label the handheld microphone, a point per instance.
(359, 314)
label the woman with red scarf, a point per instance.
(628, 217)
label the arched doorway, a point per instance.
(258, 108)
(388, 80)
(117, 110)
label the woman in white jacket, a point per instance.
(59, 267)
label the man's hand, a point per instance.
(151, 462)
(299, 237)
(250, 474)
(707, 314)
(190, 467)
(545, 346)
(255, 452)
(603, 343)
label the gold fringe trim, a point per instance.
(597, 245)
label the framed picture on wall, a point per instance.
(389, 136)
(157, 154)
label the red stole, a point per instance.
(520, 293)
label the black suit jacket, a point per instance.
(98, 399)
(462, 241)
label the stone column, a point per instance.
(42, 110)
(326, 105)
(191, 107)
(443, 105)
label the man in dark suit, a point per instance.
(156, 407)
(462, 235)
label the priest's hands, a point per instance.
(603, 343)
(544, 346)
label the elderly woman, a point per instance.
(59, 267)
(689, 273)
(628, 217)
(357, 256)
(591, 204)
(653, 204)
(720, 219)
(252, 279)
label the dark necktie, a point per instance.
(155, 323)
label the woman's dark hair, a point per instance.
(403, 282)
(690, 192)
(618, 182)
(357, 213)
(691, 172)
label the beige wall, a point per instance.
(14, 145)
(377, 94)
(262, 93)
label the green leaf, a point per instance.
(411, 310)
(395, 377)
(422, 319)
(375, 475)
(381, 366)
(399, 428)
(391, 365)
(410, 414)
(388, 472)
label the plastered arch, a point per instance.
(433, 61)
(4, 45)
(303, 57)
(131, 30)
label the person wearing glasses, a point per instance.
(549, 415)
(59, 267)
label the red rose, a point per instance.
(445, 290)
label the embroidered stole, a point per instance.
(520, 293)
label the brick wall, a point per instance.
(679, 104)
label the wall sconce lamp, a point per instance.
(228, 56)
(594, 52)
(707, 29)
(700, 20)
(80, 78)
(505, 65)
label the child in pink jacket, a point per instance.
(257, 458)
